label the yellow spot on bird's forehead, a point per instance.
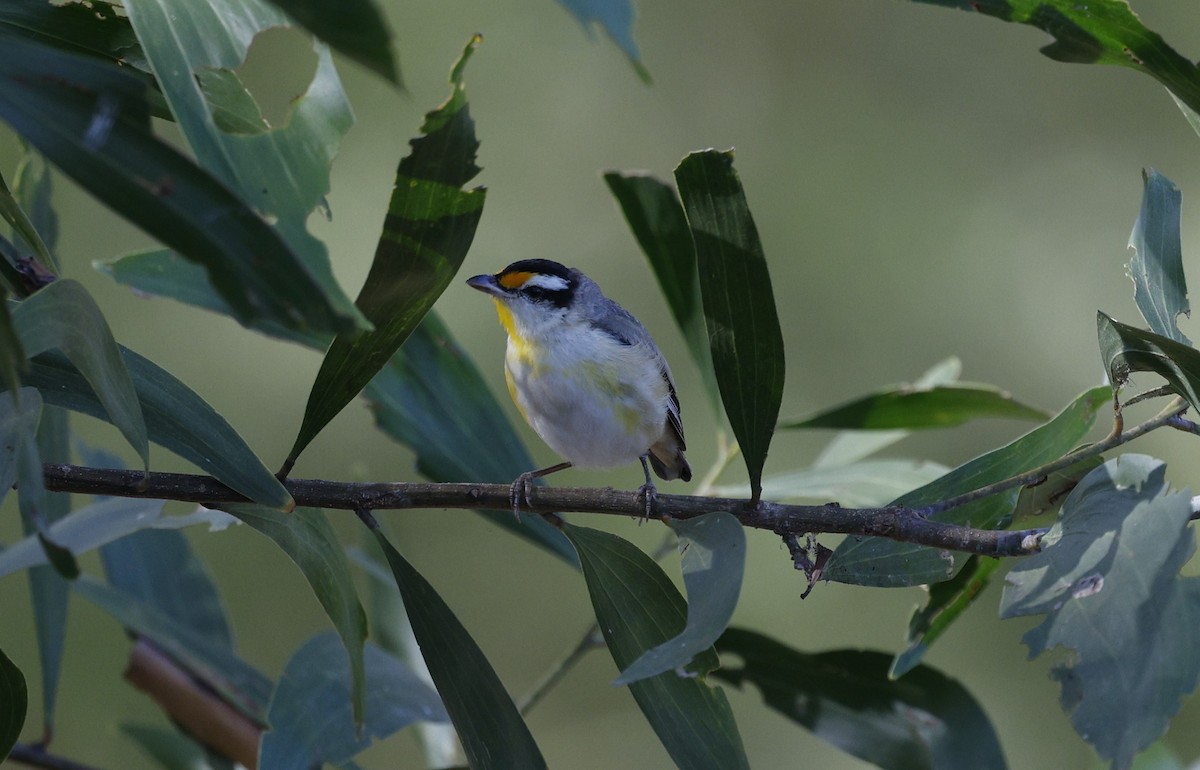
(514, 279)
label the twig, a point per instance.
(35, 755)
(591, 640)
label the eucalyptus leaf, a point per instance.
(429, 226)
(1108, 585)
(355, 28)
(739, 304)
(14, 700)
(942, 406)
(638, 608)
(864, 484)
(1126, 349)
(1160, 288)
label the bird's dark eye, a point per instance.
(535, 292)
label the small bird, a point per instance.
(585, 375)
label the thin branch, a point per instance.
(35, 755)
(591, 640)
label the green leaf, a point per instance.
(428, 228)
(64, 316)
(639, 608)
(1126, 349)
(713, 560)
(284, 172)
(739, 306)
(31, 185)
(925, 720)
(1100, 32)
(616, 18)
(861, 485)
(656, 216)
(1160, 288)
(1049, 495)
(96, 28)
(170, 748)
(1107, 580)
(355, 28)
(232, 679)
(176, 418)
(947, 601)
(909, 408)
(492, 732)
(878, 561)
(310, 717)
(14, 700)
(431, 398)
(12, 355)
(306, 536)
(11, 212)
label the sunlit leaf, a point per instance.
(881, 562)
(64, 317)
(1107, 581)
(355, 28)
(307, 537)
(638, 608)
(176, 418)
(1126, 349)
(310, 716)
(712, 558)
(1160, 288)
(923, 720)
(739, 304)
(943, 406)
(492, 731)
(429, 226)
(14, 700)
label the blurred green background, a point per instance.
(925, 184)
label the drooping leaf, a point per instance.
(946, 603)
(14, 700)
(656, 217)
(1101, 32)
(942, 406)
(310, 716)
(492, 732)
(92, 120)
(284, 172)
(862, 484)
(739, 305)
(428, 228)
(307, 537)
(64, 317)
(881, 562)
(1107, 581)
(1126, 349)
(431, 398)
(713, 559)
(924, 720)
(1160, 288)
(233, 680)
(355, 28)
(616, 18)
(176, 418)
(639, 608)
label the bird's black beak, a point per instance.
(487, 284)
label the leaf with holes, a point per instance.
(355, 28)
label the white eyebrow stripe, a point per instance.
(547, 282)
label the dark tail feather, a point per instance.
(675, 466)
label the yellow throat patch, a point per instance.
(520, 344)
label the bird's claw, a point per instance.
(519, 491)
(649, 493)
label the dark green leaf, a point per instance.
(92, 120)
(878, 561)
(639, 608)
(12, 355)
(945, 604)
(283, 173)
(491, 729)
(925, 720)
(1099, 32)
(429, 227)
(171, 749)
(27, 234)
(306, 536)
(909, 408)
(713, 560)
(96, 28)
(1107, 580)
(310, 717)
(233, 680)
(1160, 288)
(656, 216)
(739, 305)
(355, 28)
(1126, 350)
(431, 398)
(234, 110)
(176, 418)
(14, 700)
(31, 185)
(64, 316)
(616, 17)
